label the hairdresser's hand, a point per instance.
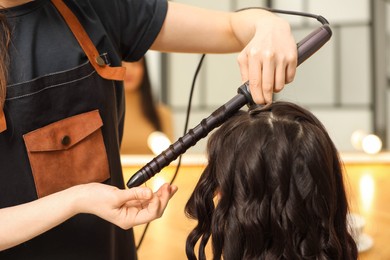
(268, 57)
(125, 208)
(269, 60)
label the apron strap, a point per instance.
(105, 71)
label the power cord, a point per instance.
(189, 105)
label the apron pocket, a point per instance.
(68, 152)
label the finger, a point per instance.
(137, 194)
(243, 64)
(154, 204)
(171, 189)
(255, 77)
(164, 198)
(136, 203)
(174, 189)
(280, 78)
(268, 79)
(290, 72)
(154, 208)
(164, 194)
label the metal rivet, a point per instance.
(100, 61)
(65, 140)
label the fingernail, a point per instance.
(146, 193)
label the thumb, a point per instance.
(138, 193)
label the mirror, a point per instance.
(145, 115)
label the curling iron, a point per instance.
(306, 47)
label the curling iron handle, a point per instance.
(191, 137)
(313, 42)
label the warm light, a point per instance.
(157, 182)
(367, 191)
(371, 144)
(357, 138)
(158, 142)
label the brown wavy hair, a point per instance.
(4, 43)
(280, 186)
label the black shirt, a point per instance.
(43, 44)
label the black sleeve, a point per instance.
(133, 24)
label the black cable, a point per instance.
(188, 111)
(317, 17)
(189, 105)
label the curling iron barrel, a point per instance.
(306, 47)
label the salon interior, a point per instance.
(345, 84)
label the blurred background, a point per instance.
(345, 84)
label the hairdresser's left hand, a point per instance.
(123, 207)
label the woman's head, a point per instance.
(135, 73)
(280, 187)
(137, 80)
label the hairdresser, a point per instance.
(62, 194)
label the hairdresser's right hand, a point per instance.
(124, 208)
(268, 51)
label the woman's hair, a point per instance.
(4, 43)
(280, 190)
(148, 104)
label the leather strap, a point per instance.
(105, 71)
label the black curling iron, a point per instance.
(306, 47)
